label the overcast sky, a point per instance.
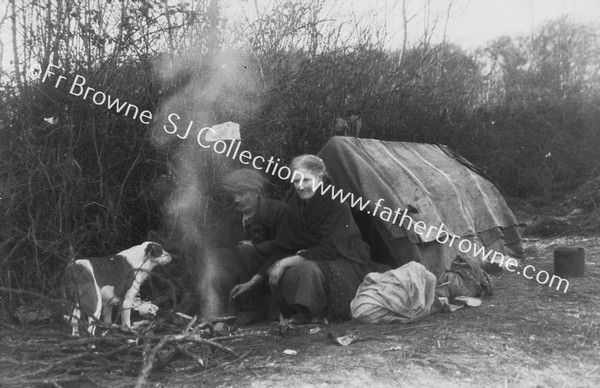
(474, 22)
(471, 24)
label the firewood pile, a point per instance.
(52, 358)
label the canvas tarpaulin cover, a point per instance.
(443, 188)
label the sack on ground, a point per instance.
(404, 295)
(465, 278)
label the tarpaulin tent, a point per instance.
(441, 185)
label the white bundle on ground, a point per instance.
(404, 295)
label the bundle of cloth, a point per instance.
(411, 292)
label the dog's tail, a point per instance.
(71, 255)
(64, 293)
(72, 313)
(70, 261)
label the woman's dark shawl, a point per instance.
(323, 230)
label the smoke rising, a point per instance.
(203, 91)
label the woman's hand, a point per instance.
(245, 243)
(239, 289)
(277, 269)
(275, 272)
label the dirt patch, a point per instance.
(526, 334)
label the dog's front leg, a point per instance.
(74, 320)
(107, 310)
(126, 316)
(128, 305)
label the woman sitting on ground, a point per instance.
(324, 257)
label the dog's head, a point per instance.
(155, 252)
(147, 255)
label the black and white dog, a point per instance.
(96, 284)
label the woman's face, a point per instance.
(245, 201)
(305, 188)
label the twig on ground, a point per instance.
(223, 365)
(176, 338)
(260, 333)
(190, 355)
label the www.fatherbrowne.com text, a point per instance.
(400, 217)
(231, 149)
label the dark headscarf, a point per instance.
(244, 179)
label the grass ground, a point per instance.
(525, 335)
